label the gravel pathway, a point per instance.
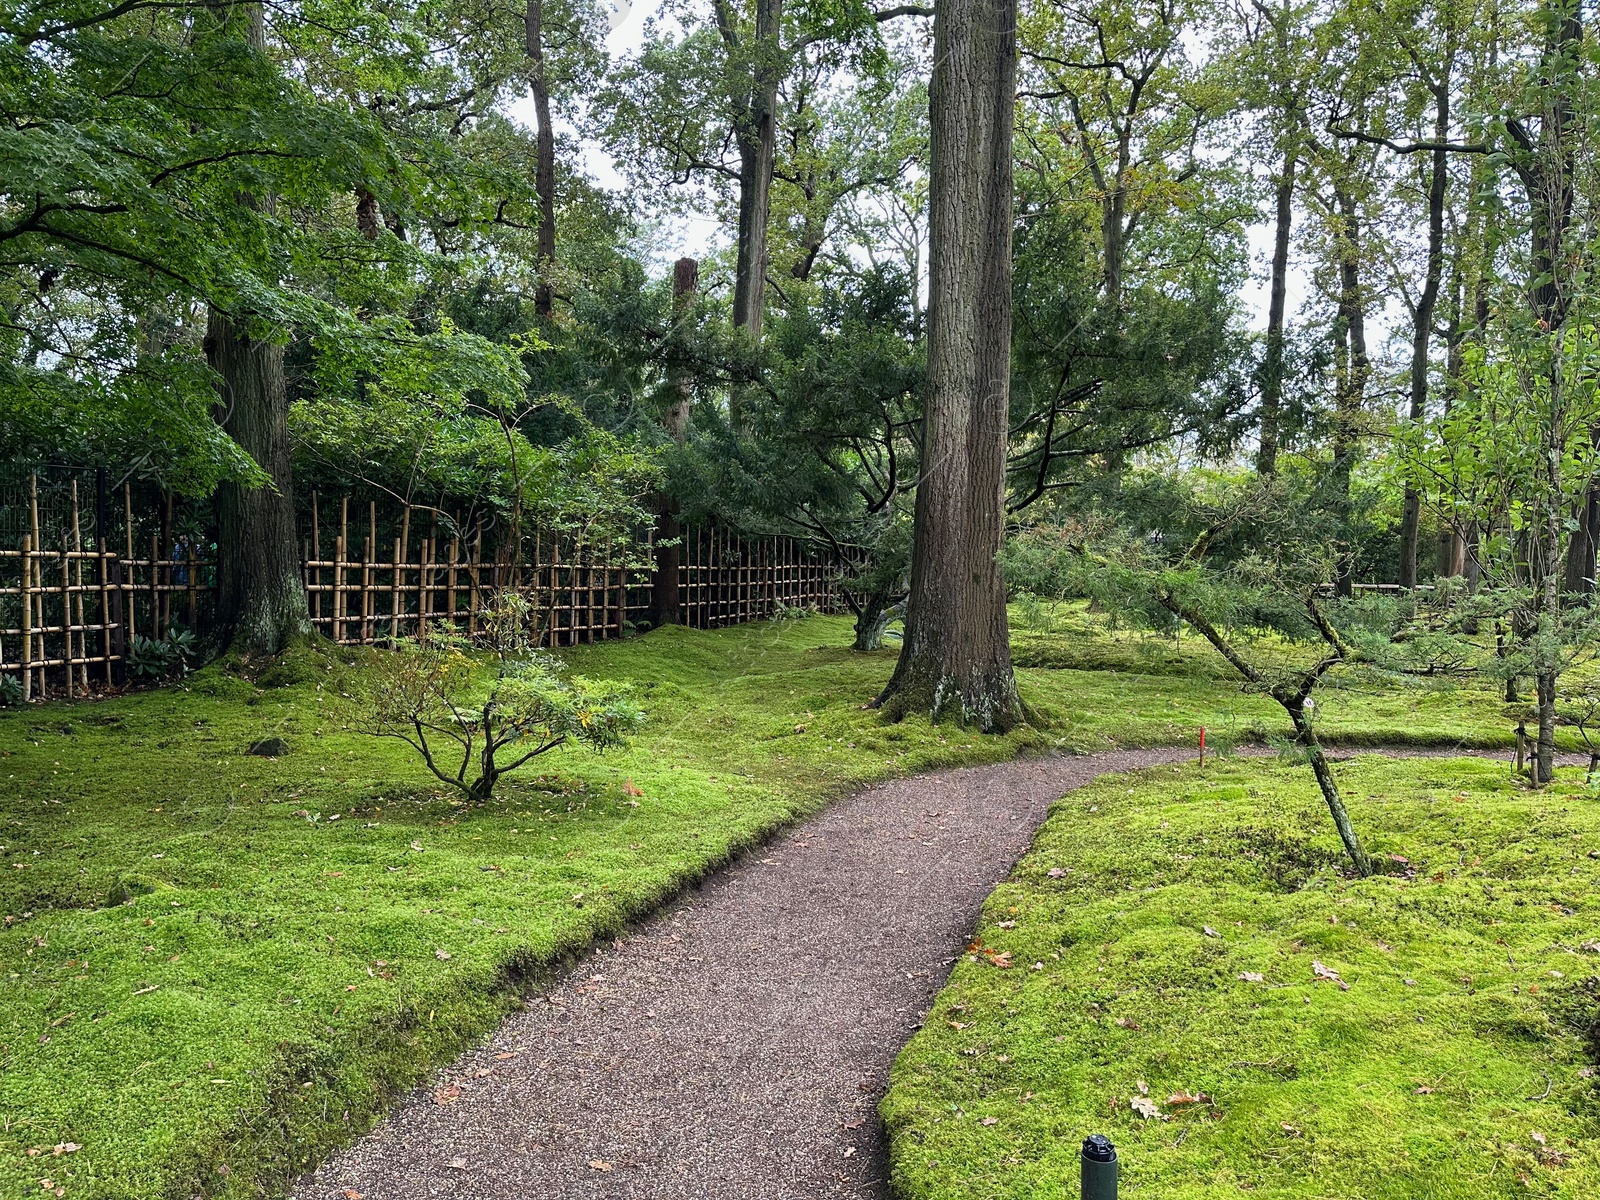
(734, 1047)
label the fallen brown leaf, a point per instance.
(1147, 1108)
(1325, 972)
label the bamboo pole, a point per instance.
(38, 550)
(338, 589)
(131, 575)
(314, 573)
(66, 613)
(193, 576)
(105, 603)
(424, 584)
(27, 617)
(77, 583)
(555, 584)
(394, 593)
(450, 576)
(155, 587)
(405, 555)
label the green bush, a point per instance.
(153, 660)
(471, 726)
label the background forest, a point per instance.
(253, 249)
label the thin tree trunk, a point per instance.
(1272, 369)
(877, 610)
(545, 158)
(1351, 401)
(665, 592)
(956, 657)
(1547, 172)
(1306, 736)
(1422, 322)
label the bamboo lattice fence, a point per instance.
(369, 588)
(71, 603)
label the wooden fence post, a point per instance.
(26, 597)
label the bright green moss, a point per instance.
(1459, 1044)
(275, 975)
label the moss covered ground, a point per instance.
(1186, 941)
(214, 966)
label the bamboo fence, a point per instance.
(69, 612)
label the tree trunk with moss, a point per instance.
(261, 597)
(956, 657)
(1306, 737)
(872, 620)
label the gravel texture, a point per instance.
(736, 1046)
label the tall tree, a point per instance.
(956, 656)
(544, 181)
(261, 596)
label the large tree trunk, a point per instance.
(1422, 320)
(757, 136)
(261, 597)
(1272, 368)
(666, 606)
(545, 158)
(956, 657)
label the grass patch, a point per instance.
(1457, 1063)
(214, 966)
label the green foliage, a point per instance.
(152, 660)
(828, 448)
(1175, 916)
(432, 694)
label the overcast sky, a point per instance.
(697, 236)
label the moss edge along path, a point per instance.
(1193, 972)
(218, 966)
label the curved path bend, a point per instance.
(736, 1045)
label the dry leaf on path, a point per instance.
(596, 1164)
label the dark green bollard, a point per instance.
(1099, 1168)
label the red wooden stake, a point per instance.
(1202, 745)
